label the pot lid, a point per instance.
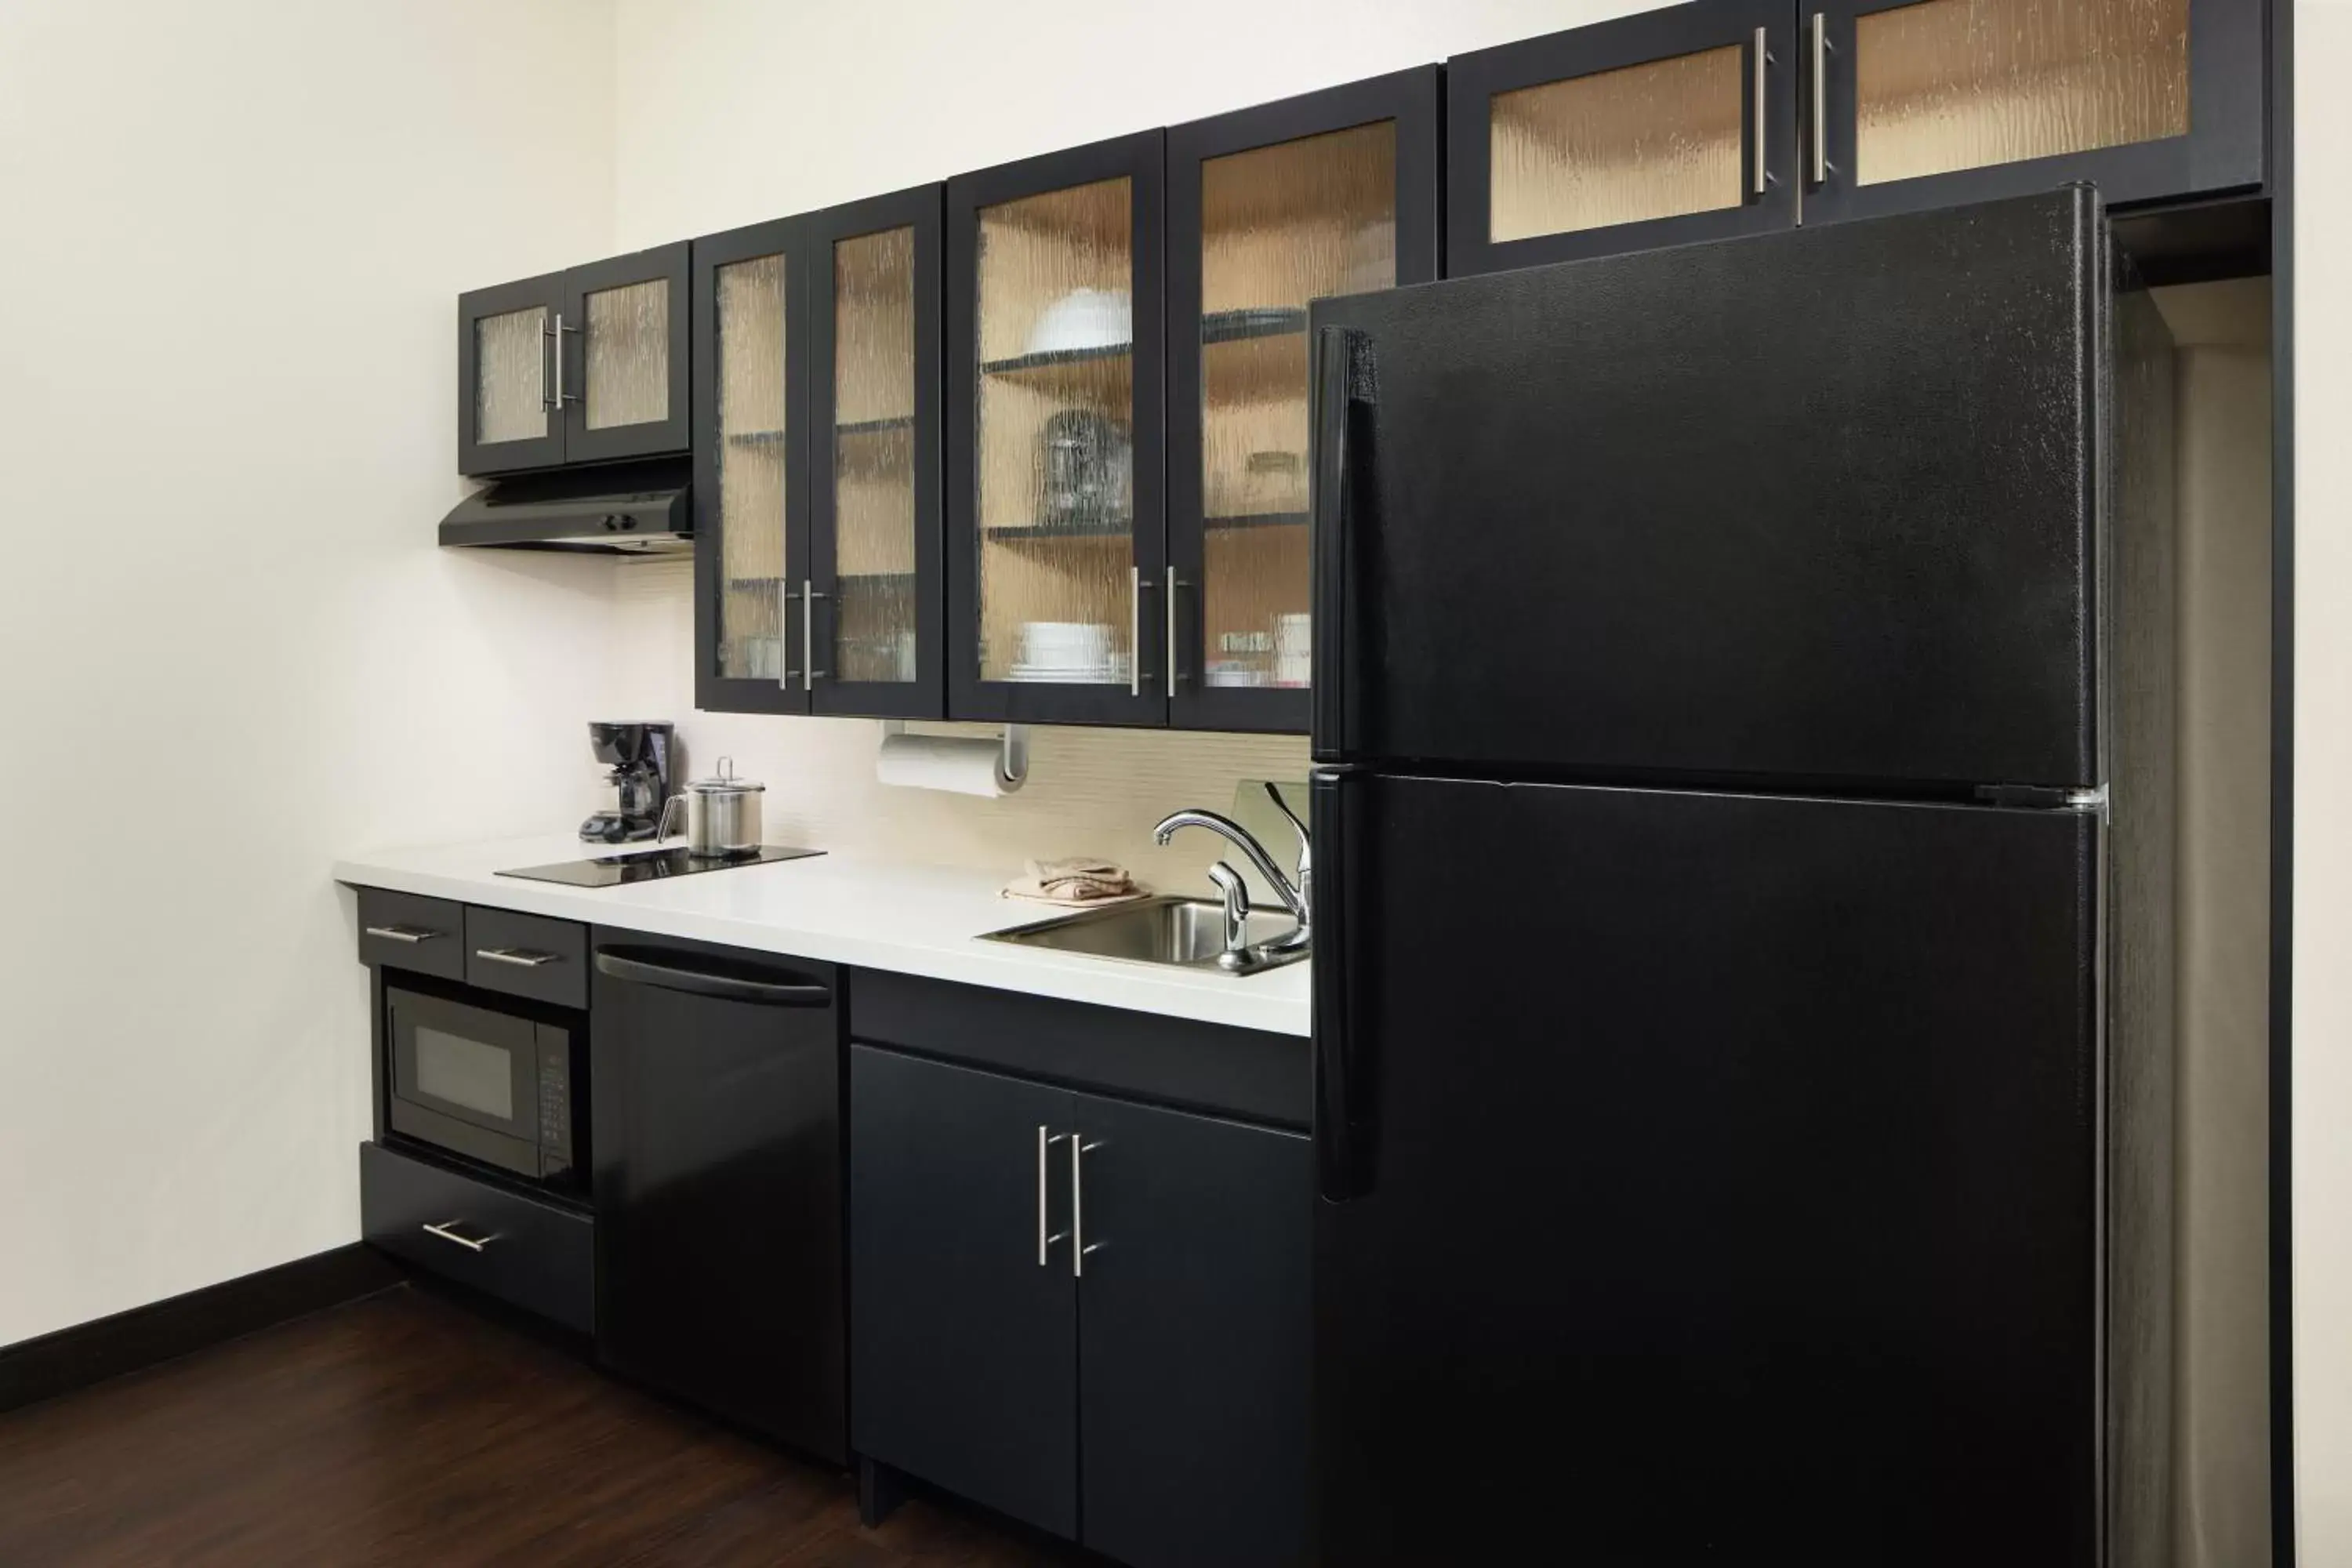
(724, 781)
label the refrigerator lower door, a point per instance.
(1818, 505)
(1717, 1179)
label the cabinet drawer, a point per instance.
(527, 955)
(518, 1249)
(402, 931)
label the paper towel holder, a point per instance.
(1011, 769)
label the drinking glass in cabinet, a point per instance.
(874, 372)
(1280, 225)
(1053, 414)
(510, 400)
(1947, 85)
(1657, 140)
(627, 351)
(754, 464)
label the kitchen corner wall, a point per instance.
(733, 111)
(235, 233)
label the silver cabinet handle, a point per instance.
(1174, 583)
(1079, 1246)
(809, 596)
(1046, 1140)
(410, 934)
(468, 1242)
(1762, 59)
(563, 398)
(551, 376)
(1135, 631)
(520, 958)
(1820, 97)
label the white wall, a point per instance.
(234, 234)
(2323, 784)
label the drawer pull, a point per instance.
(445, 1233)
(411, 934)
(521, 958)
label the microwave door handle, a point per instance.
(702, 982)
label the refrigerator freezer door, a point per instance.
(1725, 1180)
(1817, 504)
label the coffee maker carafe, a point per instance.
(642, 757)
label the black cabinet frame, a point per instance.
(2222, 151)
(478, 456)
(1472, 80)
(793, 239)
(1138, 158)
(925, 697)
(581, 444)
(1411, 99)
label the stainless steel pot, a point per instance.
(722, 812)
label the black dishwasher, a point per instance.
(718, 1182)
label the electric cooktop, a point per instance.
(652, 865)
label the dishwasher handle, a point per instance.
(709, 982)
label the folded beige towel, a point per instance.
(1073, 884)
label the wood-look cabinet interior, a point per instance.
(1033, 443)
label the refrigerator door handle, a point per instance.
(1339, 381)
(1345, 1141)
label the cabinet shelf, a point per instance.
(874, 426)
(1122, 529)
(1255, 519)
(1048, 358)
(1257, 322)
(755, 438)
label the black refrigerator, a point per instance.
(1742, 988)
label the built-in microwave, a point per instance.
(493, 1083)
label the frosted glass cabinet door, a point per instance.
(875, 599)
(1054, 503)
(506, 378)
(750, 483)
(1655, 129)
(626, 356)
(1917, 104)
(1268, 209)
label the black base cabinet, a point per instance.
(1088, 1313)
(530, 1252)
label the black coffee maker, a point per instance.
(641, 757)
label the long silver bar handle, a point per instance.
(520, 958)
(809, 596)
(468, 1242)
(1079, 1246)
(410, 934)
(1045, 1140)
(549, 386)
(1135, 631)
(1762, 59)
(1174, 583)
(1820, 97)
(559, 361)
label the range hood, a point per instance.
(615, 508)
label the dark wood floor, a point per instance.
(404, 1428)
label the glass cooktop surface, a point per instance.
(652, 865)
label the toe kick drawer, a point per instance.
(525, 1251)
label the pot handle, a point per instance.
(661, 829)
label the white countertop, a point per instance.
(878, 914)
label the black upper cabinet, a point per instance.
(1055, 437)
(750, 472)
(1920, 103)
(1655, 129)
(1332, 193)
(873, 603)
(581, 366)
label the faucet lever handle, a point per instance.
(1281, 806)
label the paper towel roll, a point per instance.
(963, 764)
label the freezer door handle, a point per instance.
(1346, 1145)
(1341, 381)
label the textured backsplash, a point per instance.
(1095, 792)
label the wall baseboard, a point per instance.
(163, 1331)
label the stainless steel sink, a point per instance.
(1180, 932)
